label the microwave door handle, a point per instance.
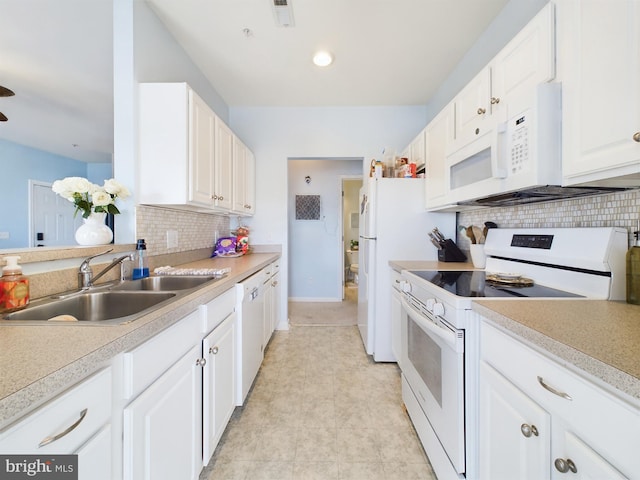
(498, 161)
(443, 333)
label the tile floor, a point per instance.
(320, 409)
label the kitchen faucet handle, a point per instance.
(85, 262)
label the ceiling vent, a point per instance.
(282, 12)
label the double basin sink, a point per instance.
(107, 305)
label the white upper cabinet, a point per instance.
(473, 109)
(438, 138)
(527, 61)
(599, 66)
(186, 151)
(244, 178)
(223, 165)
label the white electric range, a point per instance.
(439, 354)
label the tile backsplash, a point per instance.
(194, 230)
(620, 209)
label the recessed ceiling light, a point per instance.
(322, 59)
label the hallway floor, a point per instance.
(321, 409)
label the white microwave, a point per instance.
(517, 154)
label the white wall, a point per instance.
(277, 134)
(315, 246)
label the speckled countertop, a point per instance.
(596, 337)
(38, 362)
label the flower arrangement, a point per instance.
(89, 197)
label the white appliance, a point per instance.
(393, 226)
(439, 331)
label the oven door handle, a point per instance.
(443, 332)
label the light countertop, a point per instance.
(597, 337)
(38, 362)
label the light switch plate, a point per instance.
(172, 238)
(4, 235)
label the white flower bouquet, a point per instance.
(89, 197)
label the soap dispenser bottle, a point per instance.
(14, 286)
(633, 270)
(141, 266)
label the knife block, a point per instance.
(450, 252)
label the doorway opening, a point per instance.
(350, 236)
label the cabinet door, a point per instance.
(163, 426)
(243, 179)
(472, 109)
(439, 136)
(94, 457)
(600, 62)
(201, 151)
(418, 149)
(514, 431)
(218, 349)
(571, 454)
(223, 184)
(526, 61)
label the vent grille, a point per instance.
(282, 12)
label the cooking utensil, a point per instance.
(439, 236)
(487, 226)
(477, 233)
(435, 241)
(470, 234)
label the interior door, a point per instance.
(52, 221)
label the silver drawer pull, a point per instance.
(213, 350)
(48, 440)
(528, 430)
(553, 390)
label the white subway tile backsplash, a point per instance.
(195, 230)
(620, 209)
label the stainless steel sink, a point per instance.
(104, 307)
(164, 283)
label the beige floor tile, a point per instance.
(315, 471)
(316, 445)
(270, 471)
(361, 471)
(276, 444)
(358, 445)
(321, 409)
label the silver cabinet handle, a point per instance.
(201, 362)
(482, 111)
(494, 100)
(553, 390)
(563, 466)
(213, 350)
(636, 136)
(53, 438)
(274, 283)
(528, 430)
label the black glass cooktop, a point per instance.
(474, 284)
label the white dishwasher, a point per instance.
(250, 311)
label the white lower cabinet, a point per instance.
(219, 383)
(163, 426)
(396, 317)
(514, 431)
(538, 420)
(75, 422)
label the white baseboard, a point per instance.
(315, 299)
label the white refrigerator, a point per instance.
(393, 226)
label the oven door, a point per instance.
(433, 364)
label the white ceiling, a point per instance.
(57, 58)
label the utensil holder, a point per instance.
(478, 257)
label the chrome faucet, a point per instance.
(85, 273)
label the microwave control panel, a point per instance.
(519, 153)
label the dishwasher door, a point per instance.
(251, 334)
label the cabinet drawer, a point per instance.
(86, 405)
(604, 421)
(214, 312)
(148, 361)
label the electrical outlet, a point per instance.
(172, 238)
